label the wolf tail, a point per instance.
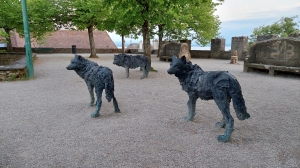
(109, 86)
(238, 101)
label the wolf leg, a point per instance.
(223, 101)
(127, 71)
(117, 110)
(91, 91)
(145, 73)
(192, 106)
(98, 103)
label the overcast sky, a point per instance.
(240, 17)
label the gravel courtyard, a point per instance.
(45, 122)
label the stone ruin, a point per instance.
(178, 49)
(274, 55)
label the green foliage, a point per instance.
(283, 27)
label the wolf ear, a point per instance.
(183, 58)
(174, 58)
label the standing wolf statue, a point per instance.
(218, 85)
(95, 76)
(132, 62)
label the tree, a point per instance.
(176, 17)
(194, 21)
(10, 18)
(283, 27)
(90, 15)
(43, 16)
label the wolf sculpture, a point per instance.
(218, 85)
(95, 76)
(132, 62)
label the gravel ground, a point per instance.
(45, 122)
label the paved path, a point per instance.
(45, 122)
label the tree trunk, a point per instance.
(92, 43)
(146, 40)
(160, 36)
(8, 45)
(123, 44)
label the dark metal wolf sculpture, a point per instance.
(218, 85)
(96, 76)
(132, 62)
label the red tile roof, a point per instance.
(67, 38)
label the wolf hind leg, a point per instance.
(117, 110)
(192, 107)
(92, 98)
(145, 73)
(223, 101)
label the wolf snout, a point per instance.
(169, 72)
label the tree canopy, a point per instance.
(283, 27)
(177, 19)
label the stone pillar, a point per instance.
(216, 47)
(240, 44)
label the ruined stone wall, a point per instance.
(266, 37)
(279, 52)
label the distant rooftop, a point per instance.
(67, 38)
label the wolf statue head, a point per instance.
(179, 65)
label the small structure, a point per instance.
(234, 58)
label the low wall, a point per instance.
(16, 68)
(207, 54)
(69, 50)
(200, 53)
(9, 58)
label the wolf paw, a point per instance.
(117, 111)
(189, 118)
(94, 115)
(222, 138)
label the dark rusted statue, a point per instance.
(95, 76)
(220, 86)
(132, 62)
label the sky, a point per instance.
(240, 17)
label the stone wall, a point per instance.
(200, 53)
(279, 52)
(266, 37)
(9, 58)
(16, 69)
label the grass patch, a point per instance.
(153, 70)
